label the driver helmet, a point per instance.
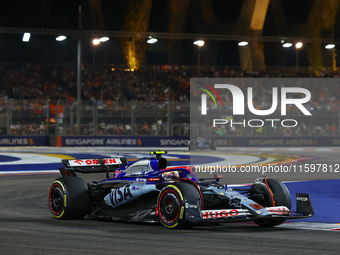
(171, 175)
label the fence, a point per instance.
(112, 118)
(25, 117)
(104, 118)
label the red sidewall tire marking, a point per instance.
(179, 207)
(62, 206)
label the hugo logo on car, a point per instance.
(209, 214)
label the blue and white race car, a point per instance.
(147, 190)
(202, 143)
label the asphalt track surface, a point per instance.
(28, 227)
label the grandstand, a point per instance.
(40, 100)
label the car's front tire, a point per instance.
(280, 197)
(69, 198)
(171, 204)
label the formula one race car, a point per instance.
(202, 143)
(149, 191)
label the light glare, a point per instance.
(26, 37)
(96, 41)
(104, 39)
(298, 45)
(330, 46)
(287, 45)
(243, 43)
(152, 40)
(60, 38)
(199, 43)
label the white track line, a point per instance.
(311, 226)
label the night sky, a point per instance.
(62, 14)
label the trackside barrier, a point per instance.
(163, 141)
(123, 141)
(9, 140)
(177, 141)
(276, 141)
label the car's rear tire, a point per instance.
(171, 204)
(281, 197)
(69, 198)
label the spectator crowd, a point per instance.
(114, 88)
(160, 83)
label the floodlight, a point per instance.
(243, 43)
(151, 40)
(60, 38)
(199, 43)
(26, 37)
(287, 45)
(104, 39)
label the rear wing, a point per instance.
(100, 165)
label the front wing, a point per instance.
(304, 209)
(246, 215)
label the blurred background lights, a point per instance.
(199, 43)
(96, 41)
(104, 39)
(287, 45)
(26, 37)
(60, 38)
(151, 40)
(298, 45)
(330, 46)
(243, 43)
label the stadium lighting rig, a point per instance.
(298, 46)
(199, 43)
(161, 35)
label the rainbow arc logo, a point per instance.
(204, 97)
